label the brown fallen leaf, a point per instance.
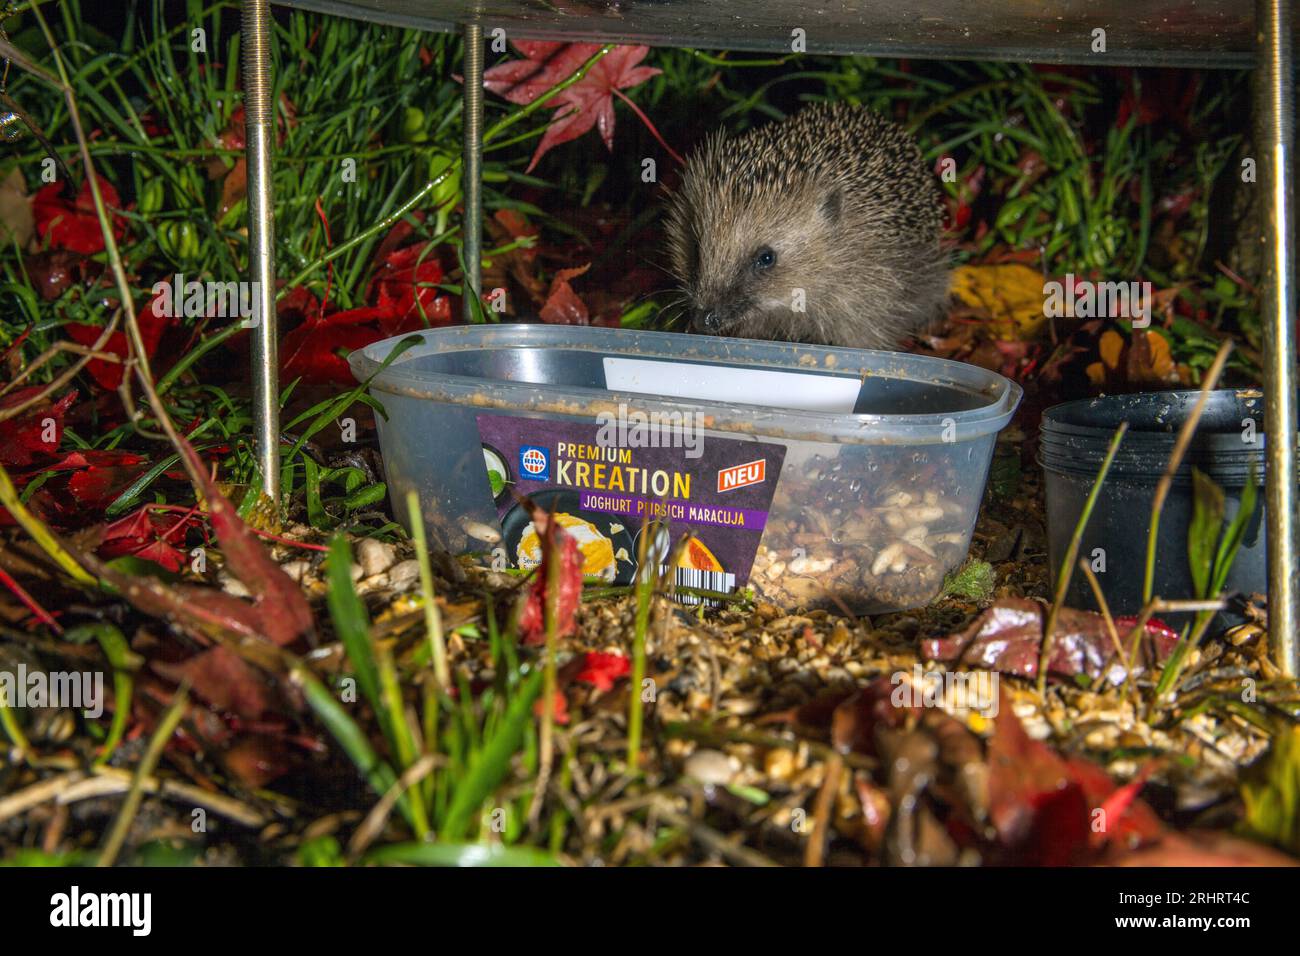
(563, 306)
(279, 612)
(855, 720)
(282, 609)
(1007, 637)
(16, 221)
(224, 680)
(233, 188)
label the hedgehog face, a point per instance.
(759, 273)
(820, 228)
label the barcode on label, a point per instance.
(703, 580)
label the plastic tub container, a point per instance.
(818, 476)
(1228, 444)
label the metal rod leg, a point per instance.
(472, 178)
(259, 133)
(1274, 140)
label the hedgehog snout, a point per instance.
(707, 321)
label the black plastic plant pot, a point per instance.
(1228, 447)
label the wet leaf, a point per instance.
(72, 224)
(150, 536)
(855, 719)
(406, 285)
(563, 306)
(223, 679)
(108, 375)
(37, 432)
(1006, 637)
(316, 351)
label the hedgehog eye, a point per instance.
(764, 259)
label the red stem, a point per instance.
(649, 125)
(263, 534)
(29, 602)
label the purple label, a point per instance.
(614, 478)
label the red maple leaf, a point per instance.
(407, 283)
(108, 375)
(315, 351)
(100, 476)
(1046, 809)
(407, 298)
(73, 224)
(562, 306)
(602, 670)
(557, 544)
(149, 535)
(36, 433)
(81, 485)
(588, 103)
(223, 679)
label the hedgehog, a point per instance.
(821, 228)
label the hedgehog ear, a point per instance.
(832, 206)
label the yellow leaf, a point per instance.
(1162, 361)
(1111, 347)
(1148, 359)
(1011, 294)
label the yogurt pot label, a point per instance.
(602, 478)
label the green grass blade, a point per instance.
(344, 729)
(489, 764)
(351, 622)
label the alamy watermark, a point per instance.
(79, 690)
(133, 911)
(1085, 299)
(950, 690)
(634, 429)
(176, 298)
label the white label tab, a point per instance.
(728, 383)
